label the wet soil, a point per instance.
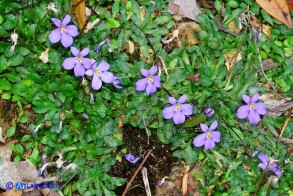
(159, 163)
(9, 112)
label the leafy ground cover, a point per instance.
(212, 99)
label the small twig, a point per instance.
(136, 172)
(185, 181)
(228, 125)
(68, 181)
(38, 25)
(43, 180)
(258, 185)
(144, 172)
(288, 117)
(221, 27)
(285, 140)
(229, 73)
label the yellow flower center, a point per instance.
(251, 106)
(209, 134)
(177, 107)
(63, 29)
(79, 59)
(97, 72)
(150, 79)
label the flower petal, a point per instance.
(172, 100)
(253, 117)
(79, 70)
(153, 70)
(66, 40)
(89, 72)
(209, 144)
(69, 63)
(71, 30)
(178, 117)
(199, 140)
(144, 72)
(263, 158)
(168, 112)
(203, 127)
(182, 99)
(103, 66)
(84, 52)
(246, 99)
(255, 97)
(66, 20)
(260, 108)
(157, 81)
(278, 173)
(106, 76)
(55, 36)
(209, 112)
(216, 136)
(150, 88)
(96, 82)
(213, 125)
(141, 84)
(87, 63)
(186, 109)
(262, 165)
(56, 21)
(74, 51)
(243, 111)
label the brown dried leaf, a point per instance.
(187, 8)
(230, 56)
(236, 30)
(130, 47)
(278, 9)
(266, 29)
(185, 30)
(276, 105)
(5, 151)
(12, 192)
(79, 11)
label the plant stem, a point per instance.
(228, 125)
(136, 172)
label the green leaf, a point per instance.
(25, 138)
(24, 119)
(19, 148)
(6, 96)
(4, 84)
(112, 23)
(11, 131)
(78, 106)
(192, 122)
(239, 133)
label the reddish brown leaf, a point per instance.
(79, 12)
(278, 9)
(290, 4)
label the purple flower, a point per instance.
(161, 182)
(116, 82)
(150, 83)
(209, 137)
(269, 164)
(209, 112)
(63, 32)
(107, 40)
(129, 157)
(100, 73)
(178, 110)
(252, 110)
(79, 63)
